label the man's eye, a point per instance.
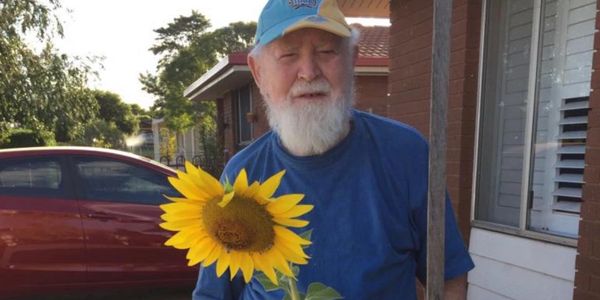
(327, 51)
(287, 55)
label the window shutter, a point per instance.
(571, 154)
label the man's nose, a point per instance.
(309, 68)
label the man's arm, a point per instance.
(456, 288)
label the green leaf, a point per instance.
(295, 269)
(227, 185)
(319, 291)
(266, 282)
(284, 283)
(306, 235)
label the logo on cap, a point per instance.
(295, 4)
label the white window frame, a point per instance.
(530, 124)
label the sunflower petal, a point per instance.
(188, 190)
(211, 183)
(200, 251)
(179, 206)
(223, 263)
(263, 265)
(204, 180)
(177, 225)
(290, 255)
(252, 190)
(184, 215)
(212, 256)
(226, 199)
(270, 185)
(177, 199)
(296, 250)
(247, 266)
(277, 260)
(289, 235)
(291, 222)
(181, 239)
(241, 182)
(284, 203)
(296, 211)
(234, 263)
(205, 193)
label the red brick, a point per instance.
(593, 137)
(589, 229)
(592, 155)
(594, 284)
(595, 248)
(407, 108)
(592, 172)
(585, 247)
(580, 294)
(459, 12)
(582, 281)
(590, 211)
(588, 265)
(591, 192)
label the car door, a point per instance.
(41, 238)
(119, 204)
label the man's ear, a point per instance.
(254, 69)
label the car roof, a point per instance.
(14, 152)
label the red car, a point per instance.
(75, 218)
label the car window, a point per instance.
(31, 177)
(117, 181)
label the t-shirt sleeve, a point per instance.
(211, 287)
(457, 258)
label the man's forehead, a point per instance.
(308, 35)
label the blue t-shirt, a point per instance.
(369, 219)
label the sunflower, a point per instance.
(241, 227)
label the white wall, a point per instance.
(511, 267)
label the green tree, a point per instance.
(113, 109)
(103, 134)
(187, 51)
(41, 89)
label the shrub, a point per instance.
(21, 137)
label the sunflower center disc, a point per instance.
(242, 225)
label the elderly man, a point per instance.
(365, 175)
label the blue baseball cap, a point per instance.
(280, 17)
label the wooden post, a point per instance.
(442, 15)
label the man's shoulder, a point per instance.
(382, 129)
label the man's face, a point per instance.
(303, 55)
(306, 79)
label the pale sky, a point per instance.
(122, 32)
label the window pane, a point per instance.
(39, 177)
(115, 181)
(561, 115)
(503, 110)
(243, 108)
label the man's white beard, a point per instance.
(311, 127)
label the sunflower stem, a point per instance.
(293, 289)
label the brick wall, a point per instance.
(409, 84)
(587, 276)
(371, 94)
